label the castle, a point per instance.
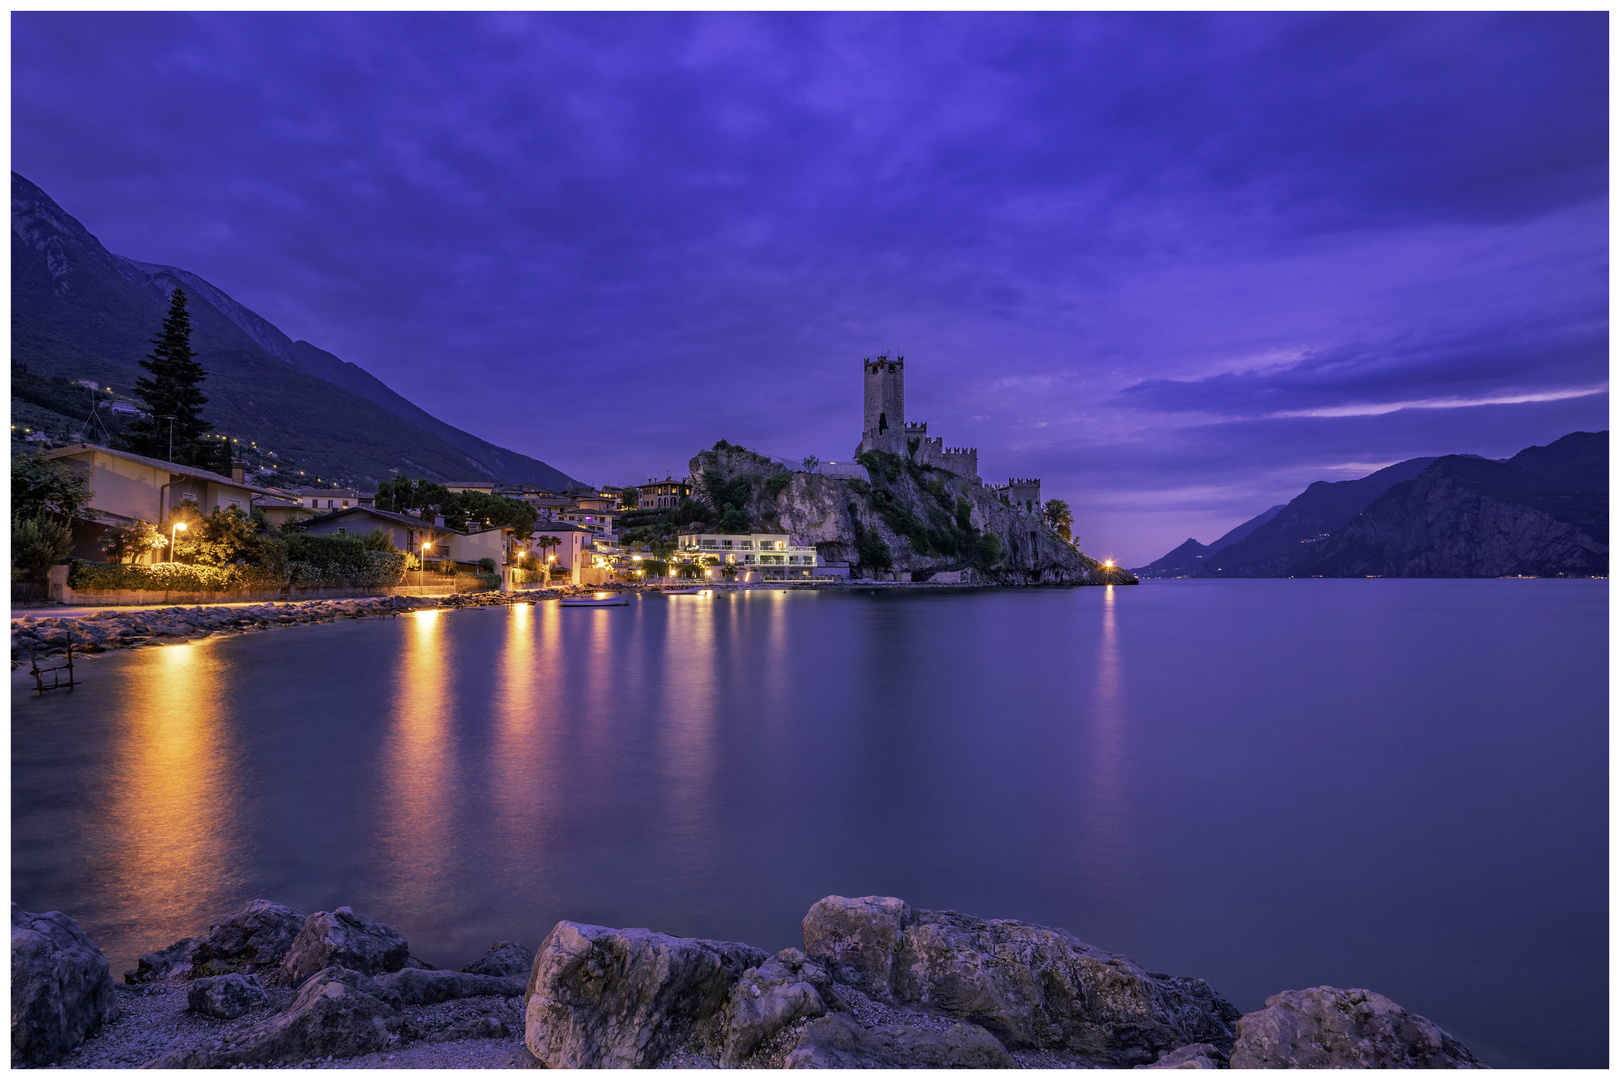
(885, 428)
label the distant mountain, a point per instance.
(81, 311)
(1273, 549)
(1543, 512)
(1188, 559)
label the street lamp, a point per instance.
(179, 527)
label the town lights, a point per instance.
(1108, 563)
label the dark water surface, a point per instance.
(1399, 785)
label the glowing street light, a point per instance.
(179, 527)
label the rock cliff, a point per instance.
(915, 521)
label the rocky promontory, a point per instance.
(908, 519)
(877, 984)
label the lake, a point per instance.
(1398, 785)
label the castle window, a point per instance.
(883, 422)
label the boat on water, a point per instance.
(594, 601)
(684, 592)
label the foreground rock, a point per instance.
(418, 987)
(225, 996)
(1328, 1028)
(341, 938)
(337, 1013)
(836, 1042)
(1032, 987)
(768, 998)
(254, 939)
(502, 959)
(600, 997)
(61, 990)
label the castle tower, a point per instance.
(885, 419)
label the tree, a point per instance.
(423, 498)
(37, 544)
(173, 401)
(41, 488)
(125, 543)
(1059, 517)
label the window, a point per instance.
(746, 544)
(725, 543)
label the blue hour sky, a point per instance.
(1176, 265)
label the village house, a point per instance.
(128, 487)
(408, 534)
(319, 499)
(662, 494)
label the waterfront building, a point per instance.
(773, 555)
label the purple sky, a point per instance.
(1178, 266)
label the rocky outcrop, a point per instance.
(1191, 1056)
(225, 996)
(837, 1042)
(343, 939)
(419, 987)
(337, 1013)
(502, 959)
(254, 939)
(910, 519)
(1031, 986)
(1328, 1028)
(768, 998)
(599, 997)
(61, 990)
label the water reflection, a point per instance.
(176, 799)
(523, 766)
(416, 831)
(1109, 798)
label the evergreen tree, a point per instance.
(172, 391)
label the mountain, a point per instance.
(1188, 559)
(1273, 549)
(1543, 512)
(81, 311)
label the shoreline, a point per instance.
(97, 630)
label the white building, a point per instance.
(324, 499)
(772, 555)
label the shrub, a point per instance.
(655, 567)
(378, 539)
(873, 551)
(162, 577)
(689, 571)
(733, 521)
(122, 543)
(486, 565)
(777, 483)
(37, 544)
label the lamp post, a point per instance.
(170, 419)
(179, 527)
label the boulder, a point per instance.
(61, 990)
(767, 999)
(599, 997)
(337, 1013)
(482, 1026)
(225, 996)
(837, 1042)
(254, 939)
(164, 964)
(343, 939)
(418, 986)
(1328, 1028)
(1192, 1056)
(1033, 987)
(503, 958)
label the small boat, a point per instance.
(594, 601)
(684, 592)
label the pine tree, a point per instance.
(172, 391)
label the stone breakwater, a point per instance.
(878, 984)
(117, 628)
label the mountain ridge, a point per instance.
(83, 311)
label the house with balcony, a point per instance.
(409, 534)
(769, 556)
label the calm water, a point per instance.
(1400, 785)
